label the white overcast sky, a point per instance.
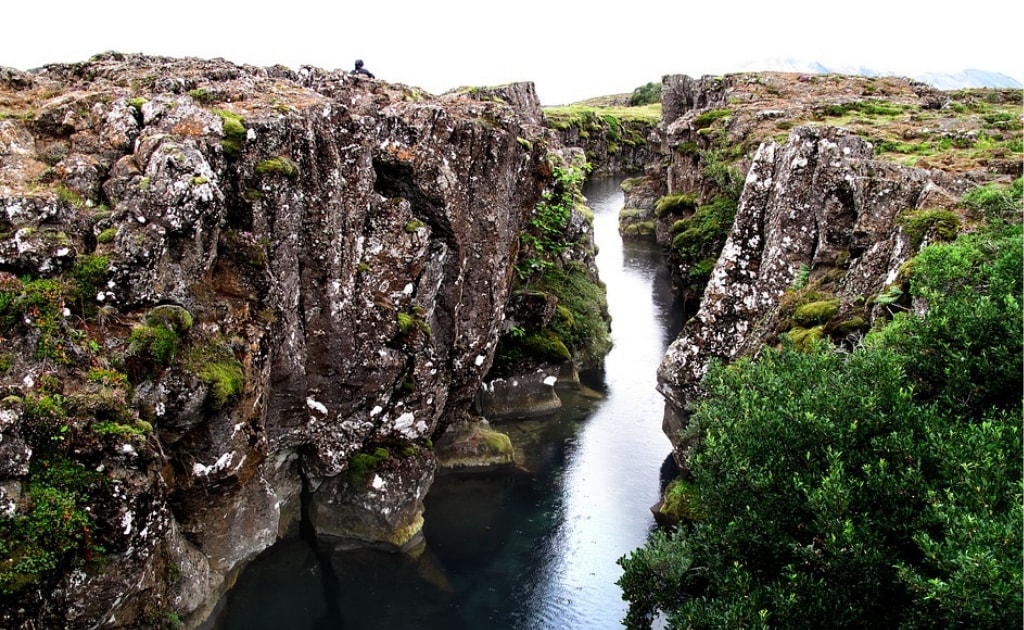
(571, 50)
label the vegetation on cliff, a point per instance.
(879, 485)
(553, 268)
(614, 137)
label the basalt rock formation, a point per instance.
(222, 285)
(825, 217)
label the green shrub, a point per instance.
(646, 94)
(996, 201)
(875, 487)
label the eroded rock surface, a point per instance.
(820, 203)
(343, 251)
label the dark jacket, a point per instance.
(361, 70)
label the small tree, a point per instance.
(646, 94)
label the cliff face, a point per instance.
(298, 272)
(825, 217)
(618, 140)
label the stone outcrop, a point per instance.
(823, 204)
(615, 141)
(341, 251)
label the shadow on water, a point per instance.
(529, 549)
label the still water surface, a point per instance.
(531, 550)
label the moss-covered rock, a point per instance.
(815, 313)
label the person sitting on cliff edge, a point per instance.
(362, 71)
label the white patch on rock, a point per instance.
(316, 406)
(126, 520)
(376, 410)
(404, 425)
(550, 381)
(378, 482)
(480, 360)
(222, 462)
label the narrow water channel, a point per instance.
(530, 550)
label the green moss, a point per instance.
(107, 235)
(137, 103)
(410, 322)
(849, 326)
(362, 465)
(638, 229)
(69, 196)
(170, 316)
(586, 333)
(586, 116)
(497, 443)
(122, 431)
(917, 224)
(52, 527)
(681, 502)
(676, 203)
(234, 132)
(217, 366)
(548, 345)
(805, 338)
(226, 379)
(200, 95)
(699, 239)
(414, 225)
(814, 313)
(277, 166)
(157, 343)
(706, 119)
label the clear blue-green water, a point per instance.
(524, 550)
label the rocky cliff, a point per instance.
(222, 287)
(790, 205)
(616, 139)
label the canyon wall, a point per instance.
(225, 287)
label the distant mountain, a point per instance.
(940, 80)
(968, 78)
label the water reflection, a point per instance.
(530, 549)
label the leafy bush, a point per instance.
(995, 201)
(966, 352)
(876, 487)
(646, 94)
